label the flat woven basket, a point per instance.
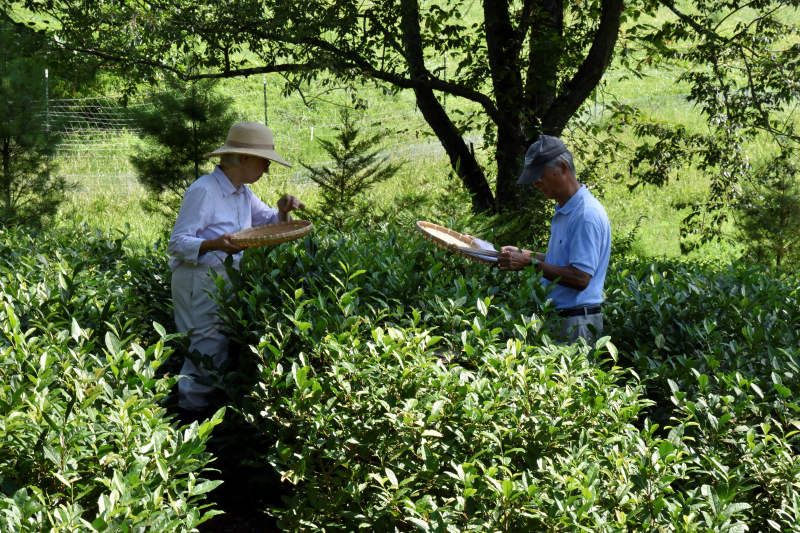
(455, 242)
(271, 234)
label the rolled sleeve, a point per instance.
(184, 243)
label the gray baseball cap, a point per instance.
(545, 149)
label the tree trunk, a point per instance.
(6, 181)
(503, 45)
(545, 47)
(589, 74)
(461, 158)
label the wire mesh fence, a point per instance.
(98, 136)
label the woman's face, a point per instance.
(253, 168)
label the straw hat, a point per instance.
(251, 138)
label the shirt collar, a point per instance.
(224, 183)
(573, 202)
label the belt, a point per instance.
(580, 311)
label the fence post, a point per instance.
(47, 119)
(266, 122)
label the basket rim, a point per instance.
(486, 257)
(269, 234)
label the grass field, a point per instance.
(108, 195)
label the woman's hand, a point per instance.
(221, 243)
(286, 204)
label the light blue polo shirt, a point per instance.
(580, 236)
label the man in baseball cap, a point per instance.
(580, 241)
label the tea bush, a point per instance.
(406, 388)
(720, 349)
(84, 443)
(393, 386)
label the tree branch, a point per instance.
(424, 80)
(589, 73)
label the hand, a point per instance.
(288, 203)
(221, 243)
(511, 258)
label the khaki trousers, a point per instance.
(588, 327)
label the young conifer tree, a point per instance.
(184, 122)
(768, 213)
(357, 166)
(30, 191)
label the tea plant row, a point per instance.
(407, 388)
(85, 444)
(400, 388)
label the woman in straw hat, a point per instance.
(214, 207)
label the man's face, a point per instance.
(549, 182)
(253, 168)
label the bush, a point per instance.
(393, 386)
(719, 349)
(407, 388)
(30, 189)
(86, 444)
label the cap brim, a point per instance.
(530, 175)
(272, 155)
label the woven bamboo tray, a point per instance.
(271, 234)
(456, 242)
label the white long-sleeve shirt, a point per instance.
(212, 207)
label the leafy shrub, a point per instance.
(30, 189)
(85, 443)
(720, 352)
(409, 389)
(393, 386)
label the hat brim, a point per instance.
(530, 174)
(272, 155)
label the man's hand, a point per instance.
(286, 204)
(512, 258)
(222, 243)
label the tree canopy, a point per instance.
(528, 66)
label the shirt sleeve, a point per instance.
(261, 213)
(184, 243)
(585, 246)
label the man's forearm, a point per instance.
(568, 276)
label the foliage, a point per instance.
(743, 69)
(522, 70)
(30, 191)
(397, 402)
(186, 122)
(85, 443)
(404, 388)
(718, 349)
(769, 213)
(357, 166)
(518, 69)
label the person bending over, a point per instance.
(580, 241)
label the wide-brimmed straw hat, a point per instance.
(251, 138)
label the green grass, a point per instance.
(108, 196)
